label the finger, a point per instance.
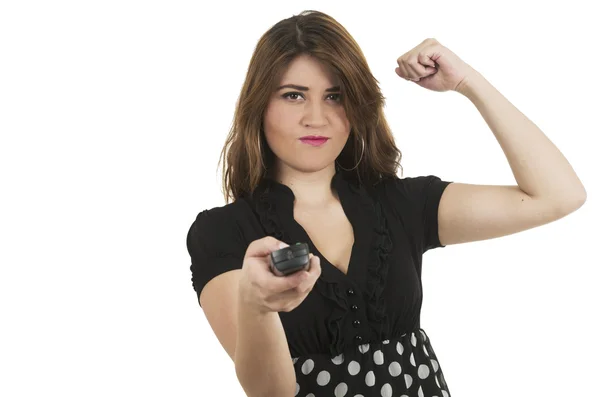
(402, 71)
(277, 284)
(425, 60)
(418, 71)
(313, 275)
(314, 269)
(264, 246)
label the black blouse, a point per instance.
(355, 333)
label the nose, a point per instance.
(315, 114)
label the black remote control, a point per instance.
(290, 259)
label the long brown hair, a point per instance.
(248, 157)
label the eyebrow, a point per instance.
(302, 88)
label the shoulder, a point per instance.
(216, 243)
(213, 222)
(220, 229)
(415, 188)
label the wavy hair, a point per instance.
(247, 155)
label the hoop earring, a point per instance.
(359, 160)
(260, 151)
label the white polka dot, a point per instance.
(295, 360)
(337, 360)
(425, 350)
(385, 342)
(445, 393)
(386, 390)
(408, 380)
(363, 348)
(423, 371)
(412, 359)
(323, 378)
(370, 378)
(423, 333)
(310, 395)
(420, 392)
(353, 368)
(437, 381)
(308, 366)
(340, 390)
(297, 389)
(359, 395)
(399, 348)
(395, 368)
(413, 339)
(378, 357)
(435, 365)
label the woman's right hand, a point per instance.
(267, 292)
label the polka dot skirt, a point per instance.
(405, 367)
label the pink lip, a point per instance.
(314, 140)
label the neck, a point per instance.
(311, 189)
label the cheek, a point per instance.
(281, 117)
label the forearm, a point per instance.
(539, 167)
(262, 359)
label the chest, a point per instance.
(330, 231)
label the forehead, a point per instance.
(306, 70)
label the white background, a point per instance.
(112, 118)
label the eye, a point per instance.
(289, 94)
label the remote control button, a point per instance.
(358, 338)
(354, 308)
(356, 323)
(350, 291)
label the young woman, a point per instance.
(310, 158)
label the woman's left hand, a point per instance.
(433, 66)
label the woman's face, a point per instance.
(312, 108)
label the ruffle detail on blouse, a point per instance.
(268, 215)
(331, 290)
(377, 267)
(334, 292)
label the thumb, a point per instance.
(264, 246)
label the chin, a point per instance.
(308, 167)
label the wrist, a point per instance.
(247, 304)
(472, 85)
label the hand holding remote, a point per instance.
(290, 259)
(268, 291)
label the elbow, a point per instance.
(255, 387)
(576, 201)
(572, 203)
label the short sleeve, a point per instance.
(215, 245)
(417, 199)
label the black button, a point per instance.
(356, 323)
(350, 291)
(354, 308)
(358, 338)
